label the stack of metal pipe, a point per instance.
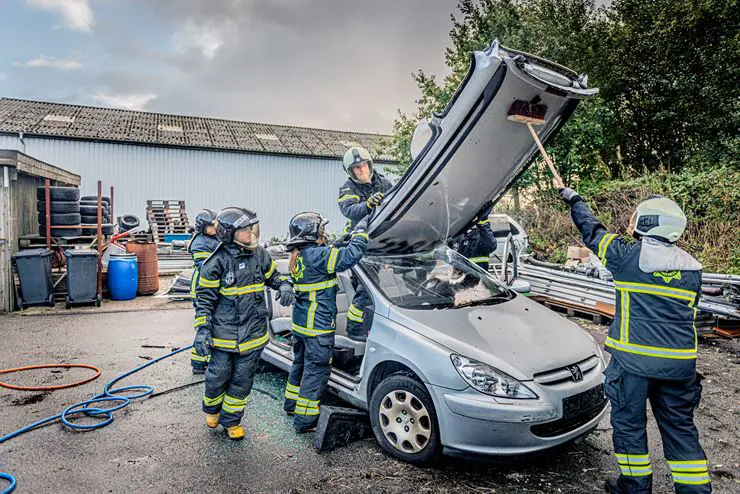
(589, 291)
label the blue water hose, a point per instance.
(83, 407)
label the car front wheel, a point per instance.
(404, 420)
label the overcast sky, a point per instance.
(340, 64)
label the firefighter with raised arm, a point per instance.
(653, 343)
(358, 197)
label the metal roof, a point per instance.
(107, 124)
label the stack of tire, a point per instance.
(67, 209)
(89, 214)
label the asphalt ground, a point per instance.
(161, 444)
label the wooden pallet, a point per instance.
(166, 216)
(728, 328)
(599, 314)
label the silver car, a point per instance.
(456, 361)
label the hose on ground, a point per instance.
(48, 366)
(9, 478)
(109, 394)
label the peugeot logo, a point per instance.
(575, 373)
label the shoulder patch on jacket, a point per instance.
(668, 276)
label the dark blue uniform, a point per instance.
(653, 344)
(200, 248)
(478, 242)
(314, 321)
(353, 205)
(231, 304)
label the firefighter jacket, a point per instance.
(231, 297)
(653, 333)
(353, 198)
(476, 244)
(200, 248)
(316, 285)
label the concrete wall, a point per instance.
(276, 186)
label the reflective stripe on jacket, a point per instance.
(477, 244)
(653, 332)
(353, 196)
(231, 297)
(201, 247)
(316, 285)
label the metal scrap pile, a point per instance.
(581, 287)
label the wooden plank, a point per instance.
(727, 332)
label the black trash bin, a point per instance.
(34, 272)
(82, 277)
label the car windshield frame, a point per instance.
(438, 279)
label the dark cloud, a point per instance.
(326, 63)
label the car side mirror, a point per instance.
(521, 286)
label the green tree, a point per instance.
(667, 71)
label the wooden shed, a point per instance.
(20, 174)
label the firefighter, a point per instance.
(231, 316)
(200, 248)
(313, 267)
(478, 242)
(358, 197)
(652, 340)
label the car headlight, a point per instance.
(490, 381)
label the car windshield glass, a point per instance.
(441, 278)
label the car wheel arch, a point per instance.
(387, 368)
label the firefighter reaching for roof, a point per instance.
(314, 267)
(652, 340)
(358, 197)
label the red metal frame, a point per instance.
(47, 197)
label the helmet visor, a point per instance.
(248, 237)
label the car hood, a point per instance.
(519, 337)
(474, 152)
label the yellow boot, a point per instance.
(236, 432)
(212, 420)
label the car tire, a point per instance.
(61, 219)
(404, 420)
(94, 199)
(68, 194)
(92, 210)
(91, 232)
(93, 219)
(94, 204)
(57, 232)
(128, 222)
(59, 207)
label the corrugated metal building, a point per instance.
(275, 170)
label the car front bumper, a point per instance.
(472, 423)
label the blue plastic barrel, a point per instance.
(123, 276)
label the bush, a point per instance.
(710, 199)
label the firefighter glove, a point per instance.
(285, 296)
(374, 200)
(203, 341)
